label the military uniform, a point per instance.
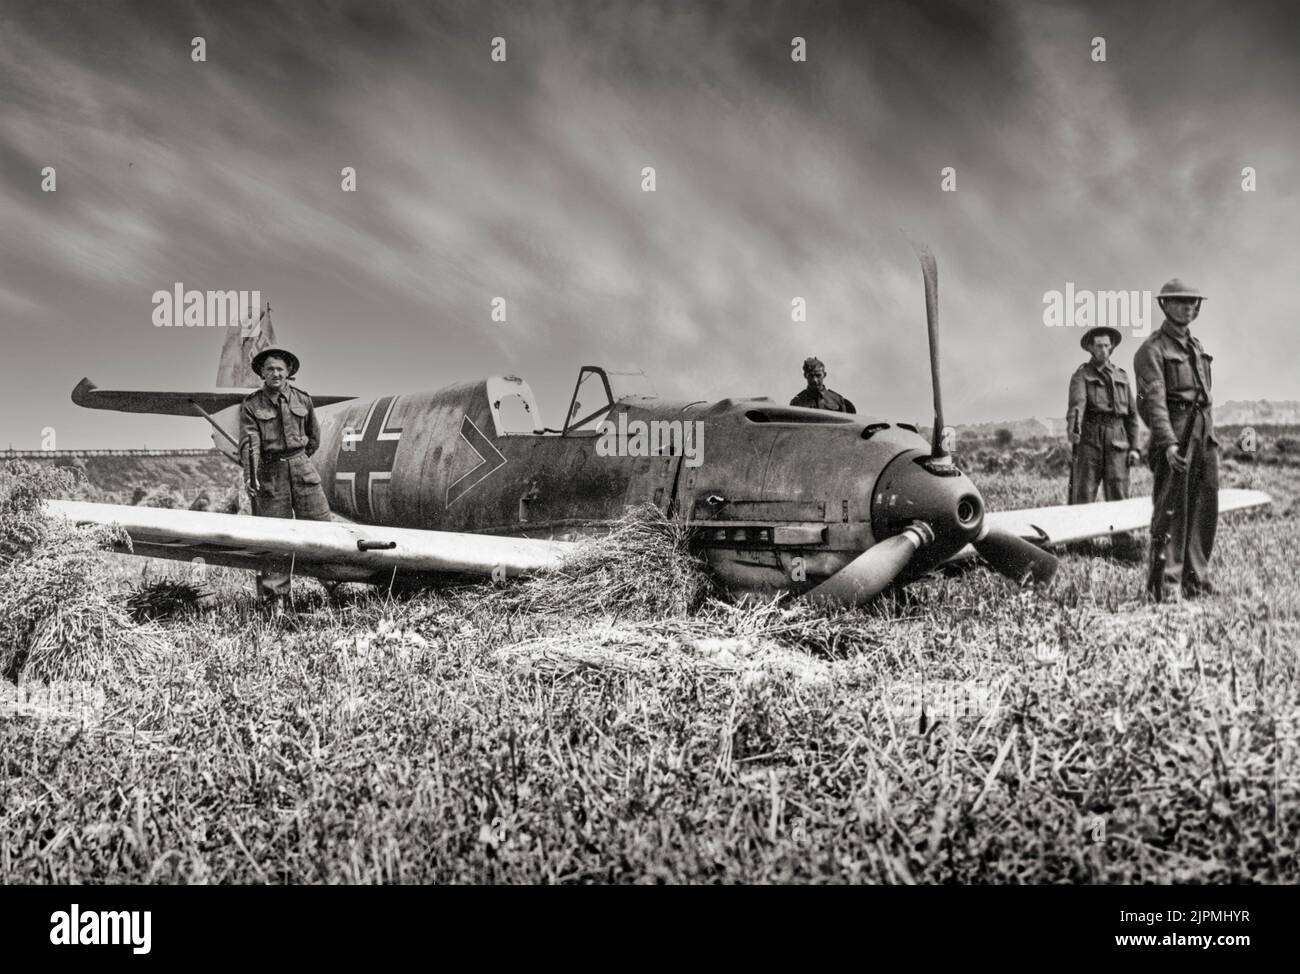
(1104, 414)
(1173, 383)
(278, 435)
(826, 399)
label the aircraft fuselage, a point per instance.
(779, 497)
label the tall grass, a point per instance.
(593, 731)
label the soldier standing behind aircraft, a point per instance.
(1173, 381)
(1103, 423)
(816, 395)
(279, 432)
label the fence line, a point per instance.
(76, 454)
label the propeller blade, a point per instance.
(871, 572)
(930, 272)
(1016, 558)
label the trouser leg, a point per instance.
(295, 492)
(1124, 544)
(1116, 488)
(274, 578)
(1085, 472)
(1168, 527)
(1115, 485)
(305, 490)
(290, 489)
(273, 584)
(1203, 505)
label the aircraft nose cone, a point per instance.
(913, 488)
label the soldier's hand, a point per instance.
(252, 489)
(1074, 438)
(1175, 461)
(1133, 457)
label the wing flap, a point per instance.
(325, 549)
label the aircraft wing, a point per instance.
(1064, 523)
(332, 550)
(87, 394)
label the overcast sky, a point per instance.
(523, 179)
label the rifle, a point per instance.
(1073, 426)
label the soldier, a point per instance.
(816, 395)
(1102, 421)
(1173, 383)
(279, 432)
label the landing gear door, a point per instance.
(592, 400)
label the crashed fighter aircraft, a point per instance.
(467, 480)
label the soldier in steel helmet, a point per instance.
(1173, 386)
(815, 395)
(279, 432)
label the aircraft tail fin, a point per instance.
(235, 370)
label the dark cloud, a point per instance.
(776, 179)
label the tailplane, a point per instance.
(219, 406)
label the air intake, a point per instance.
(794, 414)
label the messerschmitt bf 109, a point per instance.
(467, 480)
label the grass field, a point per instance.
(969, 732)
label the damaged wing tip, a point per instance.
(82, 390)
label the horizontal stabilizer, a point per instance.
(169, 403)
